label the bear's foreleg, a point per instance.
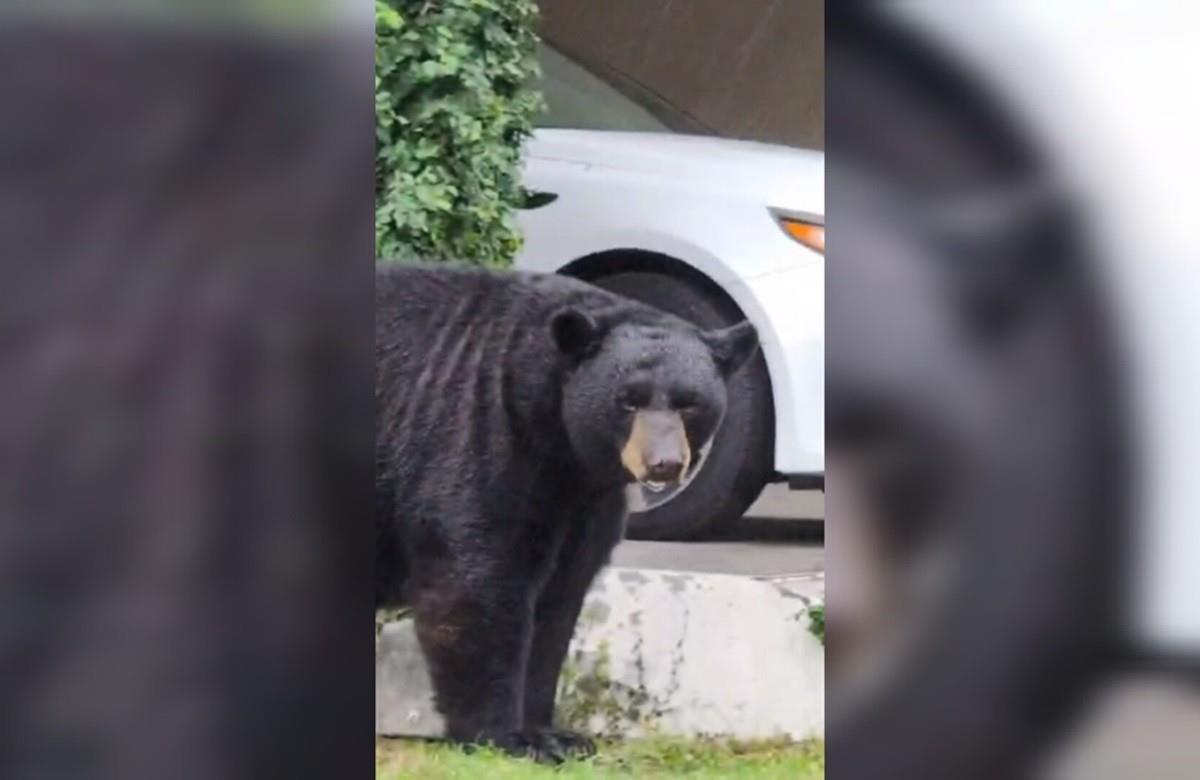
(475, 629)
(586, 550)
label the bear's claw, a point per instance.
(545, 746)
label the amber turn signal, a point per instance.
(812, 236)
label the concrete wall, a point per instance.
(659, 652)
(746, 68)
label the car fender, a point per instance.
(777, 284)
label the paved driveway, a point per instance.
(783, 534)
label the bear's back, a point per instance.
(441, 339)
(467, 395)
(467, 373)
(442, 331)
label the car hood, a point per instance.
(778, 176)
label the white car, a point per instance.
(712, 229)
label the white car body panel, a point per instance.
(705, 202)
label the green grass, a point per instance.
(816, 622)
(649, 759)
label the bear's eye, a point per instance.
(685, 403)
(631, 399)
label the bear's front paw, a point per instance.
(575, 744)
(546, 746)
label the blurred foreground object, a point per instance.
(984, 402)
(186, 412)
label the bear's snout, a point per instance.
(664, 469)
(656, 450)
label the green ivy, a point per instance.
(455, 98)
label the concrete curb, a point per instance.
(661, 652)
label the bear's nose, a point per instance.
(663, 469)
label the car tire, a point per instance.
(740, 461)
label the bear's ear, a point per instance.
(576, 333)
(733, 346)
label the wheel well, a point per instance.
(615, 261)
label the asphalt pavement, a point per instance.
(783, 534)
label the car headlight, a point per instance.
(809, 231)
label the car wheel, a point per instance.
(739, 461)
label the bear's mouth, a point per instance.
(658, 486)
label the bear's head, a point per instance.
(643, 395)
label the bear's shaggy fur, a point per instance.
(513, 410)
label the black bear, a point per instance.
(512, 411)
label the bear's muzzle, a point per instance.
(657, 452)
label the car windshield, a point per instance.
(579, 98)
